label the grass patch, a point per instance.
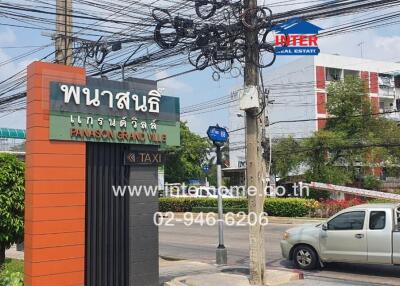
(12, 273)
(14, 265)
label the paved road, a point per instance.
(199, 243)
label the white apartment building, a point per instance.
(298, 92)
(237, 138)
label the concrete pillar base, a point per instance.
(222, 255)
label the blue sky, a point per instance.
(379, 44)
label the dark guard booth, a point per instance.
(121, 237)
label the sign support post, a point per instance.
(222, 255)
(219, 136)
(206, 170)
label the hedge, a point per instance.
(283, 207)
(215, 210)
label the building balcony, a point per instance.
(387, 92)
(390, 114)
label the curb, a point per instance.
(176, 282)
(288, 220)
(276, 278)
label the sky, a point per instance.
(378, 44)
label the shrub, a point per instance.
(319, 194)
(8, 278)
(11, 274)
(215, 210)
(382, 201)
(11, 202)
(371, 183)
(330, 207)
(289, 207)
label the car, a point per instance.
(367, 233)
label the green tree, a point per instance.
(11, 202)
(352, 138)
(185, 162)
(286, 157)
(212, 163)
(350, 108)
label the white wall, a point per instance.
(292, 87)
(237, 138)
(359, 64)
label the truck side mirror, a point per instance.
(324, 227)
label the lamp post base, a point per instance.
(222, 255)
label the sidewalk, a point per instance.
(172, 269)
(192, 273)
(274, 278)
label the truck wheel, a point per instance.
(305, 258)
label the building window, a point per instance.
(351, 73)
(397, 81)
(381, 106)
(333, 74)
(385, 81)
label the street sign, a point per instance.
(206, 168)
(143, 158)
(217, 134)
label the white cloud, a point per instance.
(374, 46)
(15, 119)
(6, 69)
(7, 36)
(172, 85)
(389, 47)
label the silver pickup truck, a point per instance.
(362, 234)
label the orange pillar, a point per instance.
(55, 188)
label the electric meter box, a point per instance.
(249, 98)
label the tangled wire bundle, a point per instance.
(220, 46)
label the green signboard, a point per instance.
(109, 111)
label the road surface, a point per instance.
(199, 243)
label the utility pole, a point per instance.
(64, 32)
(255, 173)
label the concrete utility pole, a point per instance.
(255, 174)
(64, 32)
